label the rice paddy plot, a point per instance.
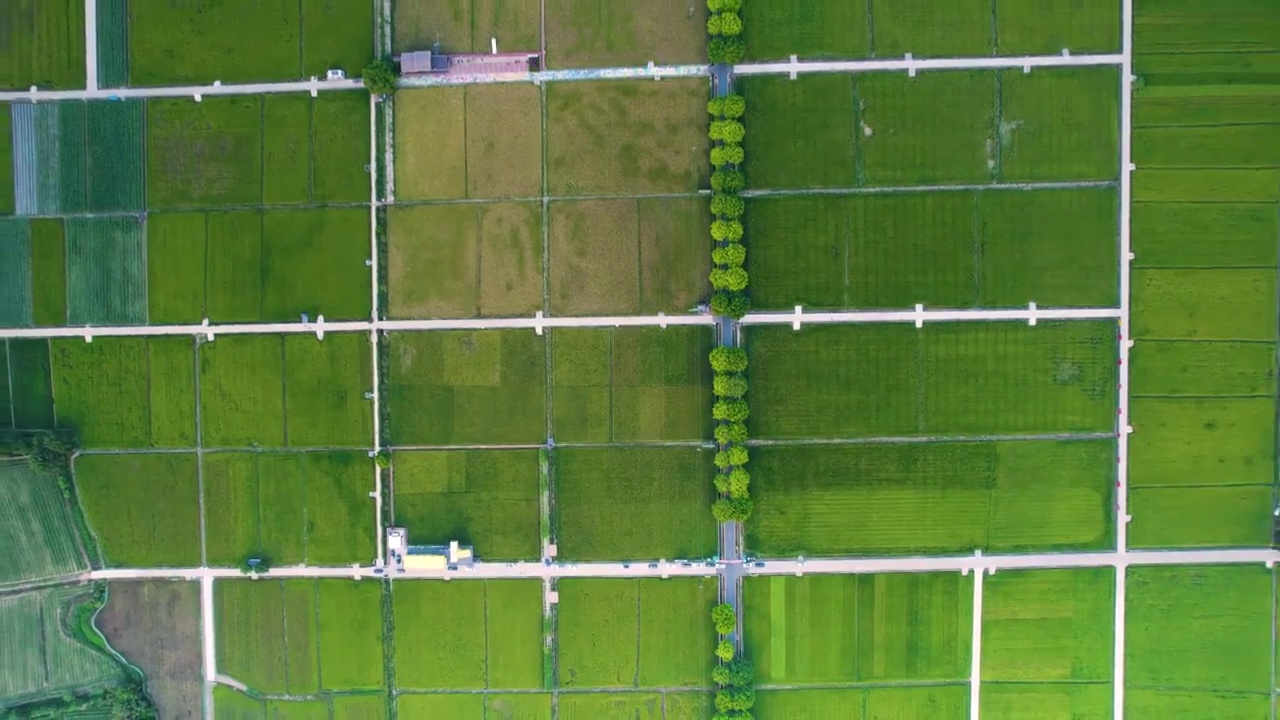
(1204, 304)
(993, 248)
(207, 153)
(44, 44)
(495, 640)
(242, 391)
(1224, 146)
(1179, 368)
(1059, 124)
(1078, 701)
(326, 387)
(598, 33)
(144, 509)
(602, 643)
(812, 30)
(300, 636)
(600, 248)
(1199, 628)
(106, 271)
(468, 25)
(472, 141)
(1150, 702)
(30, 384)
(1218, 234)
(289, 508)
(126, 392)
(634, 384)
(865, 628)
(522, 706)
(1201, 517)
(48, 272)
(468, 260)
(41, 658)
(802, 132)
(467, 387)
(1249, 185)
(488, 499)
(1047, 27)
(962, 380)
(1202, 441)
(920, 498)
(654, 506)
(15, 273)
(38, 523)
(112, 19)
(1048, 625)
(627, 137)
(926, 28)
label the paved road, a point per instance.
(540, 322)
(91, 44)
(210, 669)
(975, 653)
(808, 566)
(915, 189)
(183, 91)
(913, 65)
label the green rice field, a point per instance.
(1199, 516)
(598, 33)
(1195, 637)
(662, 492)
(858, 628)
(495, 640)
(291, 509)
(1047, 626)
(43, 43)
(991, 248)
(1202, 441)
(300, 636)
(921, 498)
(844, 381)
(467, 25)
(484, 498)
(927, 701)
(144, 509)
(665, 642)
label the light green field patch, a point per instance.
(523, 706)
(1197, 369)
(484, 498)
(1191, 517)
(598, 640)
(664, 493)
(1226, 146)
(1236, 186)
(927, 29)
(600, 33)
(176, 247)
(350, 634)
(675, 648)
(1076, 701)
(1219, 234)
(325, 386)
(1205, 304)
(242, 391)
(810, 30)
(1199, 627)
(102, 390)
(1041, 625)
(1059, 124)
(1202, 441)
(144, 509)
(906, 141)
(609, 706)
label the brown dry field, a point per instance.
(595, 263)
(474, 142)
(675, 253)
(504, 141)
(612, 33)
(627, 137)
(467, 25)
(431, 158)
(156, 626)
(468, 260)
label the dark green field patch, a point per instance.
(961, 28)
(484, 498)
(144, 509)
(313, 262)
(1060, 124)
(958, 379)
(810, 30)
(325, 386)
(631, 384)
(106, 271)
(465, 387)
(31, 384)
(206, 153)
(1204, 234)
(602, 33)
(921, 498)
(286, 150)
(15, 273)
(1190, 369)
(44, 44)
(663, 494)
(233, 266)
(48, 272)
(1048, 27)
(801, 132)
(1204, 304)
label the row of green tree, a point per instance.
(725, 46)
(734, 676)
(729, 384)
(729, 278)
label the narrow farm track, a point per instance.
(539, 322)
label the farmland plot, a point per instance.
(467, 25)
(44, 44)
(143, 508)
(37, 526)
(599, 33)
(1048, 625)
(156, 626)
(44, 660)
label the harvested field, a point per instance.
(826, 629)
(921, 498)
(967, 379)
(632, 384)
(601, 33)
(627, 137)
(144, 509)
(663, 494)
(155, 625)
(484, 498)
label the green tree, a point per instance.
(740, 508)
(730, 131)
(734, 386)
(728, 359)
(726, 50)
(715, 25)
(726, 230)
(724, 650)
(741, 672)
(715, 6)
(731, 433)
(720, 675)
(733, 279)
(722, 510)
(724, 618)
(379, 77)
(733, 106)
(729, 181)
(730, 5)
(732, 254)
(732, 456)
(730, 24)
(731, 410)
(727, 154)
(730, 304)
(715, 107)
(739, 483)
(727, 206)
(721, 482)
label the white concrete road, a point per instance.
(913, 65)
(790, 566)
(975, 644)
(191, 91)
(539, 322)
(209, 642)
